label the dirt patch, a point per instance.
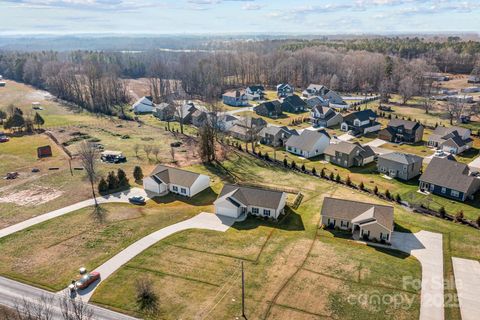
(36, 195)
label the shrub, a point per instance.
(138, 173)
(332, 176)
(293, 165)
(388, 195)
(322, 173)
(146, 297)
(375, 190)
(260, 154)
(362, 186)
(348, 182)
(303, 167)
(102, 186)
(314, 171)
(365, 237)
(267, 157)
(337, 178)
(459, 216)
(398, 198)
(442, 212)
(285, 162)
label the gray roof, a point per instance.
(274, 130)
(253, 196)
(342, 146)
(449, 174)
(409, 125)
(174, 175)
(307, 139)
(443, 131)
(360, 115)
(348, 210)
(403, 158)
(315, 101)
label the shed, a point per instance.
(44, 152)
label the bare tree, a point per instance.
(172, 153)
(136, 148)
(35, 310)
(75, 309)
(455, 109)
(207, 141)
(148, 149)
(406, 88)
(156, 152)
(147, 299)
(88, 155)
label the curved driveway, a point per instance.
(207, 221)
(111, 198)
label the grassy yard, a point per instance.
(49, 254)
(284, 121)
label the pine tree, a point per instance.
(337, 178)
(138, 173)
(375, 190)
(314, 171)
(285, 162)
(102, 186)
(303, 167)
(387, 194)
(293, 165)
(38, 120)
(267, 157)
(362, 186)
(122, 178)
(112, 181)
(442, 212)
(322, 173)
(332, 176)
(398, 198)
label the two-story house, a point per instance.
(346, 154)
(400, 165)
(276, 136)
(454, 140)
(235, 98)
(314, 90)
(285, 90)
(360, 122)
(325, 117)
(399, 130)
(255, 92)
(449, 178)
(271, 109)
(294, 104)
(308, 144)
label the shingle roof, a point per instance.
(294, 101)
(315, 101)
(449, 174)
(256, 88)
(403, 158)
(443, 131)
(342, 146)
(409, 125)
(273, 130)
(360, 115)
(174, 175)
(349, 210)
(307, 139)
(146, 101)
(253, 196)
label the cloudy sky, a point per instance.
(237, 16)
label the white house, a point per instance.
(163, 180)
(255, 92)
(235, 201)
(143, 105)
(308, 144)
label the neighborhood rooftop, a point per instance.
(404, 158)
(174, 175)
(307, 139)
(254, 196)
(448, 173)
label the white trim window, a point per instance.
(183, 190)
(454, 193)
(266, 212)
(175, 188)
(444, 190)
(255, 210)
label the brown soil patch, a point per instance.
(36, 195)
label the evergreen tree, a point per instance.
(398, 198)
(322, 173)
(138, 173)
(314, 171)
(102, 186)
(375, 190)
(387, 194)
(285, 162)
(332, 176)
(303, 167)
(362, 186)
(459, 216)
(337, 178)
(442, 212)
(122, 178)
(348, 182)
(38, 120)
(112, 181)
(293, 165)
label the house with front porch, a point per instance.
(255, 92)
(236, 201)
(360, 122)
(285, 90)
(366, 221)
(325, 117)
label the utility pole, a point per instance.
(243, 293)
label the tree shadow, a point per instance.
(470, 153)
(99, 214)
(204, 198)
(390, 251)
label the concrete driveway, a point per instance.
(206, 221)
(345, 137)
(375, 143)
(467, 282)
(427, 247)
(111, 198)
(475, 164)
(240, 109)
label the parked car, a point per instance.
(4, 139)
(11, 175)
(113, 157)
(137, 200)
(87, 280)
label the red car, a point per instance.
(4, 139)
(87, 280)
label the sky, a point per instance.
(238, 16)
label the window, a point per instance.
(266, 212)
(444, 190)
(183, 190)
(455, 193)
(254, 210)
(175, 188)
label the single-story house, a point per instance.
(235, 201)
(235, 98)
(449, 178)
(165, 179)
(399, 130)
(285, 90)
(325, 117)
(400, 165)
(271, 109)
(276, 136)
(294, 104)
(365, 220)
(255, 92)
(361, 122)
(309, 143)
(346, 154)
(454, 140)
(143, 105)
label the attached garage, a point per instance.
(227, 208)
(153, 184)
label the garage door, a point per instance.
(226, 211)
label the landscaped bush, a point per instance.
(459, 216)
(138, 173)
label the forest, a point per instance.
(95, 80)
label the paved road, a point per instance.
(12, 291)
(428, 249)
(208, 221)
(375, 143)
(240, 109)
(115, 197)
(467, 282)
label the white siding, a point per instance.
(202, 183)
(151, 185)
